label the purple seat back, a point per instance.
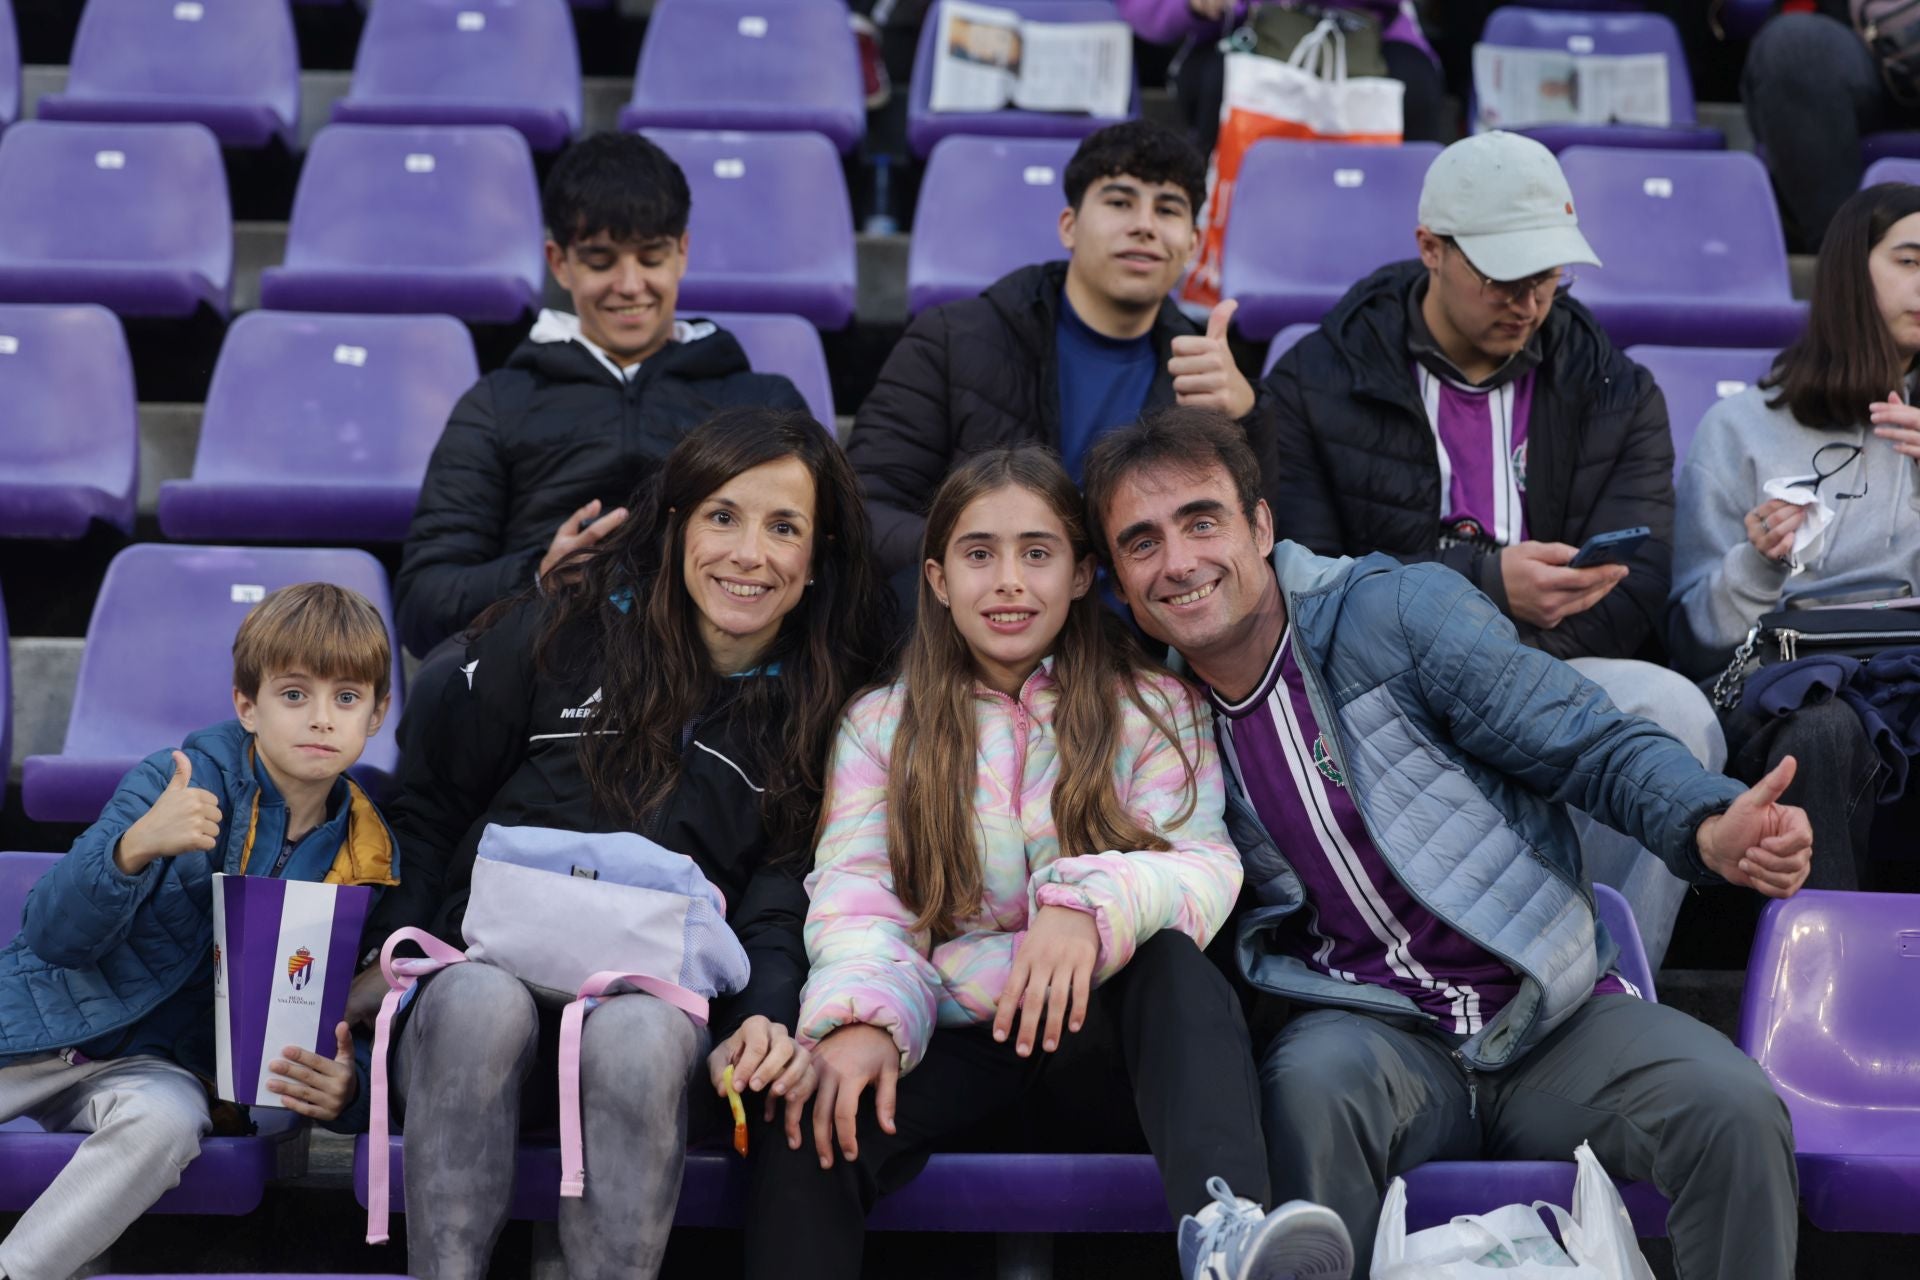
(786, 345)
(1892, 169)
(742, 259)
(231, 65)
(70, 449)
(1625, 930)
(158, 662)
(9, 66)
(1282, 343)
(18, 873)
(759, 65)
(926, 126)
(1694, 379)
(1309, 219)
(505, 62)
(1901, 144)
(987, 206)
(413, 220)
(1692, 248)
(132, 216)
(318, 427)
(1829, 1015)
(1613, 34)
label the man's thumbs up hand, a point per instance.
(1203, 370)
(185, 819)
(1758, 842)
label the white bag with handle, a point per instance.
(1597, 1241)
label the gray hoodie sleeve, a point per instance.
(1721, 585)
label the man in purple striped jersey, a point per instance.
(1400, 769)
(1462, 407)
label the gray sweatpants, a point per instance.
(144, 1116)
(473, 1041)
(1351, 1100)
(1619, 861)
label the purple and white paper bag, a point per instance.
(283, 958)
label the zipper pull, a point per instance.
(1473, 1098)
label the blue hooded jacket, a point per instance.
(114, 965)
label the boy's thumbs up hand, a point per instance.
(185, 819)
(1203, 370)
(1758, 842)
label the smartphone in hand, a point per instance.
(1609, 548)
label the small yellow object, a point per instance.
(739, 1111)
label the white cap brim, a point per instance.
(1515, 255)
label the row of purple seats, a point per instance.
(1691, 240)
(1606, 35)
(228, 1178)
(175, 609)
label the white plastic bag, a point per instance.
(1513, 1243)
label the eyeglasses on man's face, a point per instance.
(1550, 285)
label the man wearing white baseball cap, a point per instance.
(1463, 408)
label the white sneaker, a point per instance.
(1235, 1239)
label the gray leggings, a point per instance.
(474, 1039)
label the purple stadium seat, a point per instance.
(785, 345)
(506, 62)
(758, 65)
(1692, 245)
(173, 610)
(132, 216)
(1693, 378)
(1310, 219)
(926, 126)
(1740, 19)
(740, 258)
(230, 1174)
(1892, 169)
(70, 451)
(318, 428)
(231, 65)
(1607, 34)
(416, 221)
(9, 67)
(1902, 144)
(1829, 1015)
(1282, 343)
(987, 206)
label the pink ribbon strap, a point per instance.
(401, 973)
(573, 1162)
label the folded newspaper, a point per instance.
(988, 58)
(1517, 88)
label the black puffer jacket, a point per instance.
(1359, 471)
(537, 440)
(977, 374)
(502, 746)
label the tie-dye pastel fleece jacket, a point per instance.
(867, 963)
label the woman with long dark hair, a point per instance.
(1837, 415)
(1022, 856)
(682, 681)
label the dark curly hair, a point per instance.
(1147, 151)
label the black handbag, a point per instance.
(1804, 633)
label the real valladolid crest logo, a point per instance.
(1324, 762)
(300, 968)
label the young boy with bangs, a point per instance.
(106, 994)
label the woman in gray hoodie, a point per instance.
(1837, 407)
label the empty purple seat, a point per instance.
(158, 662)
(9, 66)
(786, 345)
(70, 450)
(987, 206)
(131, 216)
(1693, 378)
(231, 65)
(1309, 219)
(1692, 245)
(318, 428)
(1605, 34)
(505, 62)
(761, 65)
(228, 1177)
(1282, 343)
(416, 221)
(1893, 169)
(1829, 1015)
(925, 126)
(772, 227)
